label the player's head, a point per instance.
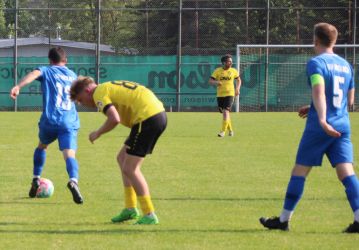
(82, 89)
(325, 35)
(226, 60)
(57, 55)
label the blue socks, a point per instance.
(72, 168)
(351, 184)
(39, 161)
(296, 187)
(294, 192)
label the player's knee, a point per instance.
(42, 146)
(226, 111)
(344, 170)
(120, 158)
(69, 153)
(127, 170)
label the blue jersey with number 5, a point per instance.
(58, 109)
(339, 79)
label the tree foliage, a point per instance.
(151, 26)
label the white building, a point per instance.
(39, 47)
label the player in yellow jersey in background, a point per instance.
(223, 77)
(135, 107)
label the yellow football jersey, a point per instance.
(134, 102)
(226, 77)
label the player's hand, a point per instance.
(237, 92)
(303, 111)
(93, 136)
(329, 129)
(15, 91)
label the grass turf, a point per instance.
(208, 192)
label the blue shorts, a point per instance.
(314, 145)
(67, 138)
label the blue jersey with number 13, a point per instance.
(58, 109)
(339, 79)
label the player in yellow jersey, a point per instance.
(135, 107)
(224, 77)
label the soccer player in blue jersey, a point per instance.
(327, 129)
(59, 119)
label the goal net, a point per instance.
(274, 76)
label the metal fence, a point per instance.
(170, 46)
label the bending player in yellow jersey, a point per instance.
(223, 78)
(136, 107)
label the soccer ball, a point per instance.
(46, 188)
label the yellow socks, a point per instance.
(229, 125)
(131, 200)
(130, 197)
(146, 204)
(224, 125)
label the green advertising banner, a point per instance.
(285, 85)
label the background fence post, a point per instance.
(179, 57)
(266, 80)
(98, 52)
(15, 48)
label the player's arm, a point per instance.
(29, 78)
(113, 119)
(319, 101)
(351, 94)
(303, 111)
(213, 81)
(238, 85)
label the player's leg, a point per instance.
(340, 155)
(220, 103)
(225, 121)
(132, 169)
(39, 159)
(350, 181)
(130, 211)
(68, 144)
(141, 142)
(224, 105)
(310, 153)
(229, 103)
(229, 127)
(46, 136)
(294, 192)
(72, 168)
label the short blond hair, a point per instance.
(79, 85)
(326, 34)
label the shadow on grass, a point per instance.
(11, 223)
(158, 230)
(243, 199)
(215, 199)
(130, 231)
(32, 201)
(39, 201)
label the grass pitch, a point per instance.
(208, 192)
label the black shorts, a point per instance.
(225, 103)
(144, 135)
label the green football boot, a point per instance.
(126, 214)
(148, 220)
